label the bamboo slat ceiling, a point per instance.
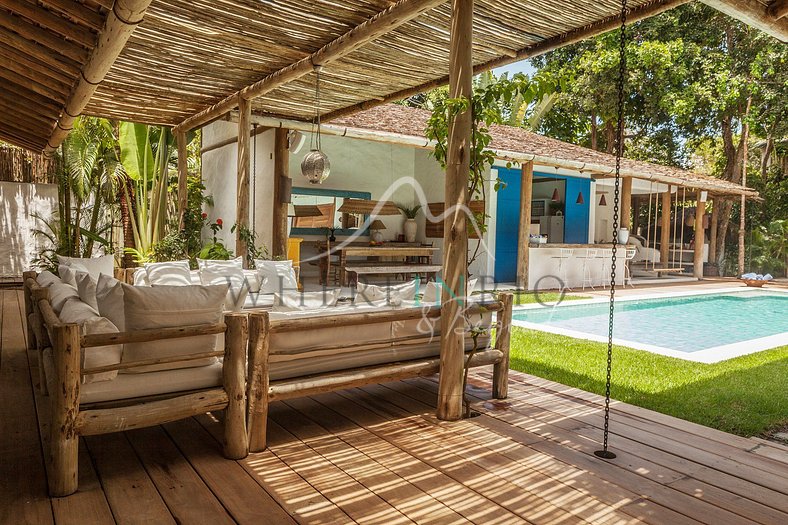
(186, 55)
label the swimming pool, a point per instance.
(705, 328)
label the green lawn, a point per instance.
(521, 298)
(747, 395)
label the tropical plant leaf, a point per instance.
(135, 151)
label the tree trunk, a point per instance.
(610, 137)
(125, 220)
(94, 217)
(593, 131)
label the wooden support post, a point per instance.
(281, 186)
(664, 234)
(626, 203)
(31, 336)
(183, 176)
(63, 436)
(700, 238)
(236, 444)
(242, 210)
(455, 233)
(500, 383)
(713, 229)
(258, 380)
(636, 201)
(42, 337)
(526, 194)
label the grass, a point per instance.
(744, 396)
(522, 298)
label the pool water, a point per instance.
(685, 324)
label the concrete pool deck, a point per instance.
(709, 355)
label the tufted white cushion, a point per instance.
(93, 265)
(90, 322)
(170, 306)
(276, 276)
(170, 273)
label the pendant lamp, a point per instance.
(554, 198)
(602, 201)
(315, 166)
(580, 199)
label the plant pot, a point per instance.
(409, 228)
(623, 235)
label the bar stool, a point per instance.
(606, 256)
(564, 254)
(630, 254)
(588, 278)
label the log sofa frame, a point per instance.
(70, 419)
(262, 390)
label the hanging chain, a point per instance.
(622, 69)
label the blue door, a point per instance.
(507, 220)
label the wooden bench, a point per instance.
(384, 268)
(274, 344)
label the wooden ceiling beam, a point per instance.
(754, 14)
(42, 36)
(77, 11)
(602, 26)
(45, 18)
(38, 51)
(120, 24)
(387, 20)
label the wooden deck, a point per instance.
(377, 455)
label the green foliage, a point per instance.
(253, 251)
(410, 212)
(770, 248)
(215, 249)
(744, 395)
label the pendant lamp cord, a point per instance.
(622, 69)
(254, 180)
(314, 139)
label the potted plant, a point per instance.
(409, 227)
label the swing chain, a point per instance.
(622, 67)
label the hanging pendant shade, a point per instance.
(602, 201)
(316, 166)
(554, 198)
(580, 199)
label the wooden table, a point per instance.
(384, 250)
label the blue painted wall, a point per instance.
(507, 219)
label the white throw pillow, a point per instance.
(393, 294)
(59, 293)
(231, 276)
(141, 277)
(432, 292)
(47, 278)
(90, 322)
(109, 299)
(166, 307)
(238, 262)
(252, 280)
(86, 288)
(307, 300)
(68, 274)
(276, 276)
(170, 273)
(93, 265)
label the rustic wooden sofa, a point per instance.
(60, 348)
(301, 355)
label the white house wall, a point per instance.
(19, 205)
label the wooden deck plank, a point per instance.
(460, 461)
(181, 488)
(23, 485)
(125, 482)
(291, 491)
(454, 496)
(244, 499)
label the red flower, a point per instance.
(204, 215)
(219, 222)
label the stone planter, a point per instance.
(409, 229)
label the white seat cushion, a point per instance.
(93, 265)
(307, 300)
(89, 321)
(171, 306)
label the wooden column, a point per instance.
(700, 238)
(63, 437)
(183, 175)
(664, 234)
(636, 201)
(281, 185)
(713, 230)
(257, 387)
(455, 234)
(236, 444)
(526, 195)
(626, 203)
(242, 210)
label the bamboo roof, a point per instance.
(513, 143)
(186, 55)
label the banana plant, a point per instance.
(147, 168)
